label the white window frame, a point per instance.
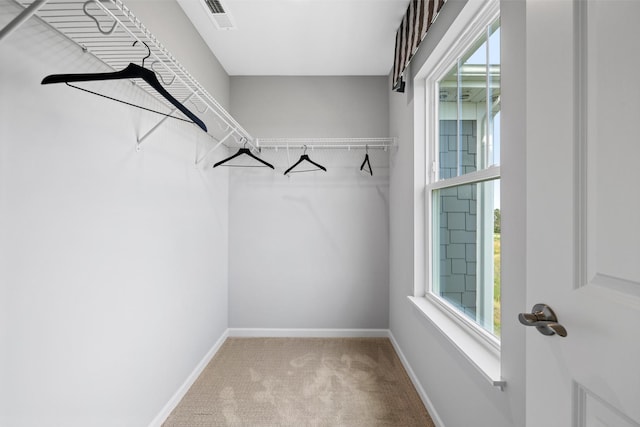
(480, 347)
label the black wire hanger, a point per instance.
(366, 162)
(306, 158)
(247, 152)
(132, 71)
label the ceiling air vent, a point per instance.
(220, 17)
(215, 6)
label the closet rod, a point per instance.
(332, 143)
(321, 146)
(27, 13)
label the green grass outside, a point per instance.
(496, 284)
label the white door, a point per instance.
(583, 211)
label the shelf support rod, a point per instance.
(27, 13)
(173, 110)
(216, 146)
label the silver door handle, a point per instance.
(544, 319)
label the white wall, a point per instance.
(460, 394)
(310, 250)
(113, 263)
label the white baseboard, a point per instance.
(177, 397)
(307, 333)
(416, 383)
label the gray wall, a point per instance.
(459, 393)
(272, 107)
(310, 250)
(113, 263)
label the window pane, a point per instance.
(469, 101)
(448, 114)
(493, 149)
(467, 248)
(472, 103)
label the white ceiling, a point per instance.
(302, 37)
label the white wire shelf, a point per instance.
(108, 33)
(108, 30)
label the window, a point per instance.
(463, 186)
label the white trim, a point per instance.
(478, 352)
(462, 32)
(184, 388)
(478, 332)
(488, 174)
(307, 333)
(581, 149)
(416, 383)
(477, 347)
(421, 201)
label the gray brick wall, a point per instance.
(458, 206)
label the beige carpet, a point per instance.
(255, 382)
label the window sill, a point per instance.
(481, 355)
